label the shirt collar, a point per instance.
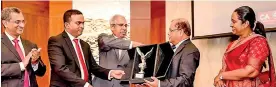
(70, 36)
(114, 36)
(11, 38)
(117, 37)
(178, 44)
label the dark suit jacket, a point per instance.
(11, 74)
(109, 58)
(65, 69)
(183, 66)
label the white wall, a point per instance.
(214, 17)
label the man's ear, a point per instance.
(66, 25)
(112, 27)
(181, 32)
(5, 23)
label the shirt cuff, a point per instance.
(158, 83)
(22, 68)
(86, 84)
(109, 73)
(130, 46)
(35, 66)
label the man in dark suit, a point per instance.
(71, 59)
(185, 59)
(20, 58)
(113, 50)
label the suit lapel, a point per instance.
(122, 55)
(26, 47)
(84, 51)
(71, 48)
(176, 58)
(8, 43)
(181, 46)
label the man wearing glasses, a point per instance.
(185, 60)
(113, 50)
(20, 58)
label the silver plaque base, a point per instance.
(139, 75)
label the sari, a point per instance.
(253, 51)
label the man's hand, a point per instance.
(27, 58)
(140, 85)
(90, 85)
(136, 44)
(154, 83)
(117, 74)
(35, 54)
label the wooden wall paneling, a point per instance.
(36, 14)
(158, 22)
(140, 21)
(56, 16)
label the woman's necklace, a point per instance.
(241, 39)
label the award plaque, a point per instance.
(147, 61)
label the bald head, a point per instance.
(114, 19)
(118, 26)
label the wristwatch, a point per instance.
(221, 78)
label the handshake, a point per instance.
(117, 74)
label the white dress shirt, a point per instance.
(82, 72)
(34, 66)
(22, 68)
(74, 45)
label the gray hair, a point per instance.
(113, 19)
(182, 23)
(7, 11)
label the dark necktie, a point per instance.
(173, 47)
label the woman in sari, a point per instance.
(245, 57)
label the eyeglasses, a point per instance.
(172, 30)
(19, 21)
(121, 25)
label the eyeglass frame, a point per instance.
(121, 25)
(18, 22)
(172, 30)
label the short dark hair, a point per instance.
(67, 15)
